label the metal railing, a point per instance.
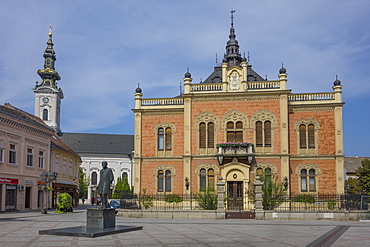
(162, 201)
(322, 202)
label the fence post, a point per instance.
(221, 214)
(258, 197)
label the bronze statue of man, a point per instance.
(106, 178)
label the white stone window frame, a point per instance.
(306, 122)
(164, 152)
(164, 168)
(30, 157)
(13, 153)
(263, 116)
(206, 117)
(41, 164)
(308, 167)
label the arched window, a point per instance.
(263, 134)
(202, 135)
(206, 179)
(303, 180)
(168, 139)
(164, 181)
(160, 181)
(211, 179)
(307, 136)
(211, 135)
(206, 135)
(308, 180)
(94, 178)
(311, 177)
(311, 136)
(160, 139)
(203, 184)
(259, 139)
(267, 131)
(259, 171)
(168, 181)
(124, 175)
(302, 136)
(234, 132)
(45, 115)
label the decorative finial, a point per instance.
(180, 87)
(51, 30)
(248, 57)
(216, 59)
(232, 17)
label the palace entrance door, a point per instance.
(235, 195)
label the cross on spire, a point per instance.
(232, 16)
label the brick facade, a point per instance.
(245, 97)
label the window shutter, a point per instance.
(168, 139)
(259, 134)
(239, 136)
(302, 136)
(311, 136)
(267, 134)
(211, 135)
(211, 179)
(202, 135)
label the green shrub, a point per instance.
(64, 203)
(173, 198)
(331, 204)
(146, 201)
(207, 200)
(307, 198)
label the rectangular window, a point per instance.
(12, 154)
(70, 168)
(56, 168)
(41, 159)
(64, 167)
(29, 157)
(1, 152)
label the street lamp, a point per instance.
(47, 177)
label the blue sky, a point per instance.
(105, 48)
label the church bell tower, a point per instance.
(48, 95)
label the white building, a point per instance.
(117, 150)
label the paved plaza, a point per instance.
(22, 229)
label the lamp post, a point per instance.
(47, 177)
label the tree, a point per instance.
(352, 185)
(83, 184)
(118, 189)
(363, 174)
(273, 192)
(126, 186)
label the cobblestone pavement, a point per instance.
(22, 229)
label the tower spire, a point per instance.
(49, 75)
(232, 55)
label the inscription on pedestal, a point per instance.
(100, 218)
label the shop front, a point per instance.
(61, 186)
(8, 187)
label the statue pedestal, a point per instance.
(98, 218)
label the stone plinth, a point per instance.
(97, 218)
